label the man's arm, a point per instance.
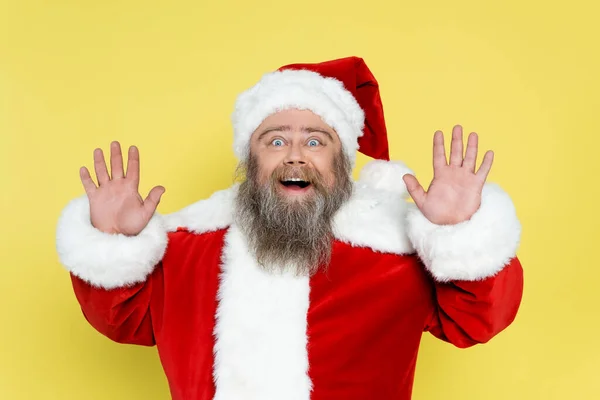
(477, 276)
(113, 275)
(473, 312)
(466, 233)
(121, 314)
(112, 242)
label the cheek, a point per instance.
(330, 178)
(325, 167)
(265, 171)
(264, 176)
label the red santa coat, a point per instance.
(226, 330)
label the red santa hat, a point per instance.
(343, 92)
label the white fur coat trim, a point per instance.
(375, 215)
(251, 362)
(471, 250)
(208, 215)
(107, 260)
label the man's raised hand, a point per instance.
(115, 203)
(455, 193)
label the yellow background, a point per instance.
(75, 75)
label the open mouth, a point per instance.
(295, 184)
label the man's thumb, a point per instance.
(153, 198)
(414, 188)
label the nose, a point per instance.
(295, 157)
(295, 162)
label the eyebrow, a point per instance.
(287, 128)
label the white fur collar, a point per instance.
(374, 217)
(260, 329)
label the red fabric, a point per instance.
(358, 80)
(366, 317)
(174, 309)
(473, 312)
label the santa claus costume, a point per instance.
(226, 329)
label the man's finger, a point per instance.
(116, 160)
(100, 167)
(415, 189)
(86, 180)
(153, 198)
(439, 151)
(471, 153)
(486, 165)
(456, 148)
(133, 166)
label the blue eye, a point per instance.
(313, 143)
(277, 142)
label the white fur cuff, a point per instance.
(107, 260)
(471, 250)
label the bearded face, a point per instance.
(285, 206)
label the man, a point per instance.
(299, 283)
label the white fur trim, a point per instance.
(375, 215)
(301, 89)
(102, 259)
(260, 348)
(206, 215)
(110, 260)
(471, 250)
(386, 176)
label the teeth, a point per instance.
(294, 180)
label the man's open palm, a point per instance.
(454, 194)
(115, 204)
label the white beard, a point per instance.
(291, 234)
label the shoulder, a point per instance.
(374, 217)
(204, 216)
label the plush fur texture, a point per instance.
(252, 362)
(302, 89)
(206, 215)
(107, 260)
(386, 176)
(474, 249)
(374, 216)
